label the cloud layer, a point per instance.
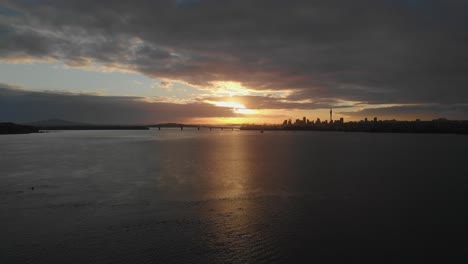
(26, 106)
(363, 51)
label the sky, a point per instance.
(232, 62)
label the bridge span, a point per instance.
(190, 126)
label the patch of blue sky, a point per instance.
(5, 11)
(55, 76)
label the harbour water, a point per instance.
(192, 196)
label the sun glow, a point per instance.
(230, 105)
(236, 107)
(244, 111)
(230, 88)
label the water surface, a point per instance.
(192, 196)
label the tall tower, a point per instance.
(331, 115)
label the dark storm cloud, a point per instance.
(411, 112)
(25, 106)
(392, 51)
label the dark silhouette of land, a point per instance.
(383, 126)
(95, 127)
(67, 125)
(11, 128)
(379, 126)
(58, 124)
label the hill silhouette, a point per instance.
(55, 123)
(11, 128)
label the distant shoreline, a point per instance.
(12, 128)
(96, 127)
(416, 127)
(390, 126)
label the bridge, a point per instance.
(190, 126)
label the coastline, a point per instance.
(12, 128)
(421, 127)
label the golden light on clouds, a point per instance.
(230, 88)
(244, 111)
(224, 120)
(236, 107)
(229, 104)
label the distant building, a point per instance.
(365, 119)
(318, 121)
(341, 120)
(375, 119)
(289, 121)
(331, 115)
(285, 122)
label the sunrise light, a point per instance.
(230, 105)
(230, 88)
(236, 107)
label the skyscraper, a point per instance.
(331, 115)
